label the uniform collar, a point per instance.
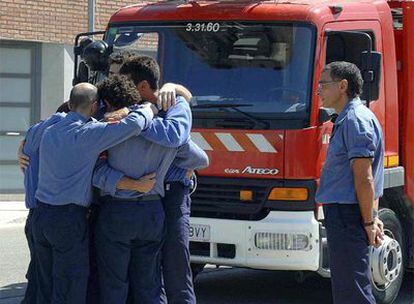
(76, 117)
(352, 104)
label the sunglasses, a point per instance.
(322, 84)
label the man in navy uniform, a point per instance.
(177, 275)
(29, 162)
(351, 184)
(129, 253)
(68, 153)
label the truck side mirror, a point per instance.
(96, 55)
(371, 74)
(82, 72)
(325, 114)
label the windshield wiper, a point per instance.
(235, 107)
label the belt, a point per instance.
(144, 198)
(61, 207)
(169, 185)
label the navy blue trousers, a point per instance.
(60, 236)
(348, 254)
(30, 294)
(129, 237)
(178, 282)
(93, 284)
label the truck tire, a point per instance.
(387, 262)
(196, 269)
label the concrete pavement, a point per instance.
(12, 213)
(14, 254)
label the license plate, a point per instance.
(200, 233)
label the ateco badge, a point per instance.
(260, 171)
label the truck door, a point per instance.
(349, 48)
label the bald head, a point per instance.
(82, 97)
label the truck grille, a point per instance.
(220, 198)
(225, 251)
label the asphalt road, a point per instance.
(246, 286)
(218, 286)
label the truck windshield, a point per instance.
(266, 68)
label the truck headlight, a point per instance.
(281, 241)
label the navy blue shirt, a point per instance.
(31, 149)
(163, 148)
(189, 157)
(357, 134)
(153, 151)
(69, 150)
(137, 157)
(172, 129)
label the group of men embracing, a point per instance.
(107, 181)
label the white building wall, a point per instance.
(57, 74)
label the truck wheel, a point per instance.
(387, 261)
(196, 269)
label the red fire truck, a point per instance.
(253, 67)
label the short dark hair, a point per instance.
(119, 57)
(340, 70)
(142, 68)
(118, 91)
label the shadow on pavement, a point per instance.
(242, 286)
(12, 294)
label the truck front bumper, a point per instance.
(281, 241)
